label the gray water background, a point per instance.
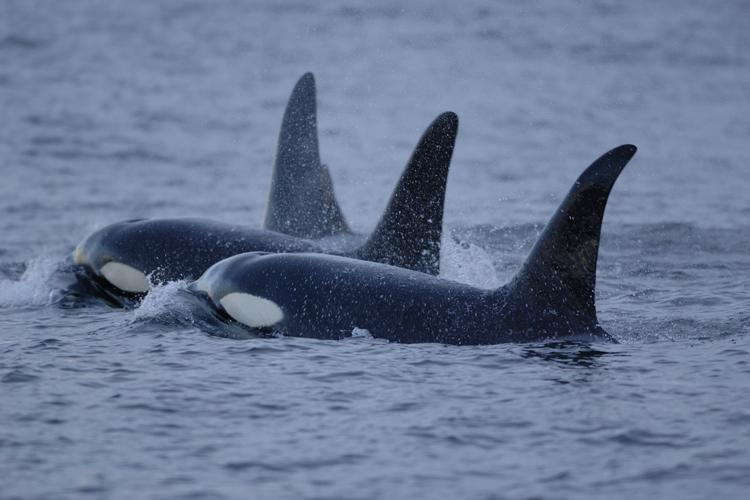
(113, 110)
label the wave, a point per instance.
(33, 288)
(163, 302)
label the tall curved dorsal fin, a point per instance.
(408, 235)
(560, 272)
(301, 201)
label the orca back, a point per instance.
(558, 279)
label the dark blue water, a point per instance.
(115, 110)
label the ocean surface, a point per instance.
(116, 110)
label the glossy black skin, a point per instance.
(408, 234)
(180, 248)
(326, 297)
(551, 297)
(301, 207)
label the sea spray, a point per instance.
(162, 302)
(33, 287)
(467, 263)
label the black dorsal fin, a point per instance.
(408, 235)
(332, 219)
(559, 276)
(301, 201)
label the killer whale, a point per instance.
(125, 257)
(301, 201)
(551, 296)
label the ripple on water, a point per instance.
(18, 376)
(20, 42)
(50, 343)
(644, 438)
(152, 400)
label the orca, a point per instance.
(551, 297)
(301, 201)
(126, 257)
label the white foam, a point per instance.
(33, 288)
(361, 333)
(467, 263)
(251, 310)
(162, 299)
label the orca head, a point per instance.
(160, 250)
(109, 256)
(128, 256)
(230, 287)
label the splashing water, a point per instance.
(33, 288)
(361, 333)
(162, 302)
(154, 402)
(467, 263)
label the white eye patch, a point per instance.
(125, 277)
(250, 310)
